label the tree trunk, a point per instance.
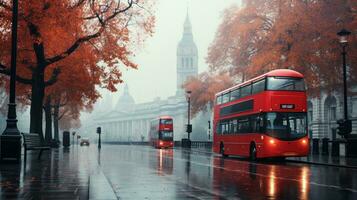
(55, 121)
(48, 114)
(38, 91)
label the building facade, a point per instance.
(325, 110)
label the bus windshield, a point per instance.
(166, 121)
(166, 135)
(286, 126)
(286, 83)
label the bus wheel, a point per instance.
(253, 152)
(222, 151)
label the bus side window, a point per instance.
(258, 86)
(234, 126)
(235, 94)
(245, 91)
(219, 99)
(226, 97)
(218, 128)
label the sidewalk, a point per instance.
(328, 160)
(60, 174)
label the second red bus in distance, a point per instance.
(161, 132)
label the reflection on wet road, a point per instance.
(141, 172)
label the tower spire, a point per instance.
(187, 55)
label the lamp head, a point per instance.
(343, 36)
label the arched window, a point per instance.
(330, 109)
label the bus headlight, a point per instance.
(161, 143)
(304, 141)
(271, 141)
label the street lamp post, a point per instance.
(187, 142)
(189, 129)
(11, 138)
(345, 124)
(99, 131)
(73, 134)
(209, 130)
(344, 42)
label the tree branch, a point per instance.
(18, 78)
(81, 40)
(54, 77)
(74, 46)
(61, 115)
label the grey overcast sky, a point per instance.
(156, 76)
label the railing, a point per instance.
(197, 144)
(194, 144)
(126, 143)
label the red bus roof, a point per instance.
(162, 117)
(165, 117)
(276, 72)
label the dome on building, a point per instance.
(126, 101)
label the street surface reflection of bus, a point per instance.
(263, 117)
(248, 180)
(161, 132)
(164, 161)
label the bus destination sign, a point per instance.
(287, 106)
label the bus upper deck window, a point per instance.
(286, 83)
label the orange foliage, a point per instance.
(86, 42)
(268, 34)
(204, 87)
(300, 35)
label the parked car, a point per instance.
(84, 141)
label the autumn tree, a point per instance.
(70, 102)
(297, 34)
(54, 34)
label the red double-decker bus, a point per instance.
(263, 117)
(161, 132)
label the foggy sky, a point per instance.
(156, 76)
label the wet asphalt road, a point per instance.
(142, 172)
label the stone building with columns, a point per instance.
(325, 110)
(129, 121)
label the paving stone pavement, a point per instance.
(60, 174)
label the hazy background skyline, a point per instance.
(156, 75)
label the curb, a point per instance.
(322, 164)
(301, 161)
(100, 188)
